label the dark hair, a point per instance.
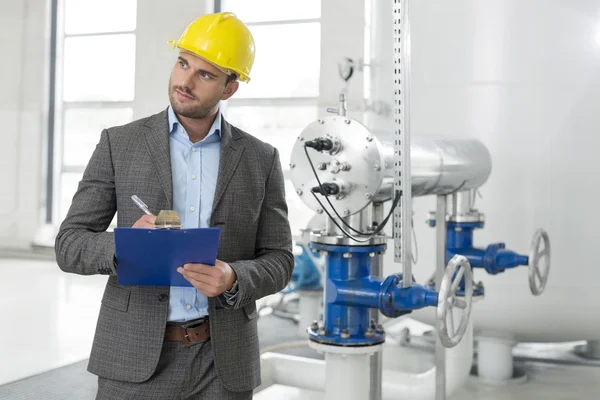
(231, 78)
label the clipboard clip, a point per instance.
(167, 219)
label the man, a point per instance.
(201, 341)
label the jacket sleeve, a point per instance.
(271, 270)
(82, 245)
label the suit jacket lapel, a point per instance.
(231, 153)
(157, 142)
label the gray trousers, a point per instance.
(182, 373)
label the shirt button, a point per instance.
(194, 176)
(163, 297)
(192, 208)
(193, 149)
(189, 307)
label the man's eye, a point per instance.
(205, 75)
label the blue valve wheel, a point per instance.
(457, 268)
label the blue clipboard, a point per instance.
(150, 257)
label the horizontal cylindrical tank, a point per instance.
(362, 167)
(444, 166)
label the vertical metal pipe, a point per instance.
(406, 180)
(440, 350)
(52, 190)
(360, 221)
(376, 359)
(462, 202)
(346, 376)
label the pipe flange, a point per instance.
(327, 348)
(473, 217)
(318, 237)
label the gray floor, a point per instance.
(73, 382)
(545, 380)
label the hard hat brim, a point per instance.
(227, 71)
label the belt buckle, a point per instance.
(184, 327)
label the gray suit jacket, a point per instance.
(249, 207)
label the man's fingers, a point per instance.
(151, 219)
(143, 224)
(205, 289)
(200, 277)
(146, 221)
(204, 269)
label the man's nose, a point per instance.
(187, 81)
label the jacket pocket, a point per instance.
(116, 297)
(251, 311)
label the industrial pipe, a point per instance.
(495, 359)
(459, 361)
(310, 374)
(444, 166)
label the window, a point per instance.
(282, 97)
(99, 16)
(99, 68)
(95, 75)
(261, 11)
(287, 62)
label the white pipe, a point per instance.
(459, 360)
(494, 359)
(299, 372)
(309, 307)
(306, 373)
(347, 376)
(284, 346)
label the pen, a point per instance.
(141, 204)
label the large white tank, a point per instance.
(522, 76)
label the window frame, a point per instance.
(58, 108)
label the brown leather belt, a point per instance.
(188, 333)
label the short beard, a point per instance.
(192, 113)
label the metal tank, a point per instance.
(363, 167)
(502, 73)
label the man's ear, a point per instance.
(230, 90)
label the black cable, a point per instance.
(320, 144)
(375, 232)
(324, 193)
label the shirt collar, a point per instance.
(174, 124)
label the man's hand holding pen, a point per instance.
(209, 280)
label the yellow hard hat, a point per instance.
(223, 40)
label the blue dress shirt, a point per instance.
(195, 168)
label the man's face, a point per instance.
(196, 86)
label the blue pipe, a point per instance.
(354, 293)
(351, 292)
(305, 275)
(494, 259)
(371, 293)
